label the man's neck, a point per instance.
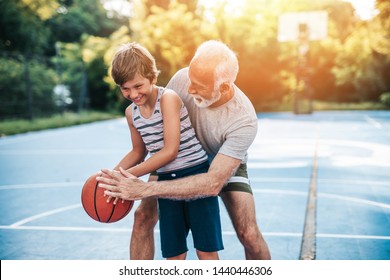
(225, 97)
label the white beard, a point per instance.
(204, 103)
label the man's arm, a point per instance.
(126, 186)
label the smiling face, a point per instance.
(202, 85)
(138, 90)
(134, 70)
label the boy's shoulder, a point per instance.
(168, 91)
(169, 94)
(129, 110)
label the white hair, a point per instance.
(226, 68)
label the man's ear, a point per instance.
(224, 88)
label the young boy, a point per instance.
(159, 124)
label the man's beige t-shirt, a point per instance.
(228, 129)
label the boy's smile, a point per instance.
(137, 90)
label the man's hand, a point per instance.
(122, 184)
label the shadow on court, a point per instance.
(321, 183)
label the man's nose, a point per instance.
(191, 89)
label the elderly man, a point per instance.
(226, 125)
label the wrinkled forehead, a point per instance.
(201, 73)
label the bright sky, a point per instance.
(123, 7)
(365, 9)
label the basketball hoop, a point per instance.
(303, 27)
(290, 24)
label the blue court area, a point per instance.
(42, 173)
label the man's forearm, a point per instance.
(192, 187)
(126, 186)
(199, 185)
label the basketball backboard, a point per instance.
(316, 23)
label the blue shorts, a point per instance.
(177, 217)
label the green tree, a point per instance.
(22, 29)
(13, 101)
(23, 40)
(165, 4)
(77, 17)
(97, 55)
(81, 63)
(171, 35)
(381, 27)
(380, 41)
(362, 64)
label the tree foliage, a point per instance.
(72, 42)
(22, 29)
(13, 99)
(169, 35)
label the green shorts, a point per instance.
(239, 182)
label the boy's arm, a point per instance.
(138, 152)
(170, 110)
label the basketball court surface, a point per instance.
(321, 185)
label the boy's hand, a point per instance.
(121, 184)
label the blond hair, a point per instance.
(132, 59)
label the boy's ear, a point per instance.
(154, 81)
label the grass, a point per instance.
(11, 127)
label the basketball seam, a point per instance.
(96, 209)
(127, 211)
(95, 202)
(112, 213)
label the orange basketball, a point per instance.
(96, 206)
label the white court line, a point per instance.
(354, 199)
(57, 228)
(252, 179)
(45, 214)
(42, 185)
(225, 233)
(373, 122)
(327, 195)
(270, 191)
(287, 192)
(279, 149)
(278, 180)
(350, 236)
(63, 152)
(18, 224)
(329, 181)
(281, 164)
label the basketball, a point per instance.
(96, 206)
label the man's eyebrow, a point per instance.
(196, 83)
